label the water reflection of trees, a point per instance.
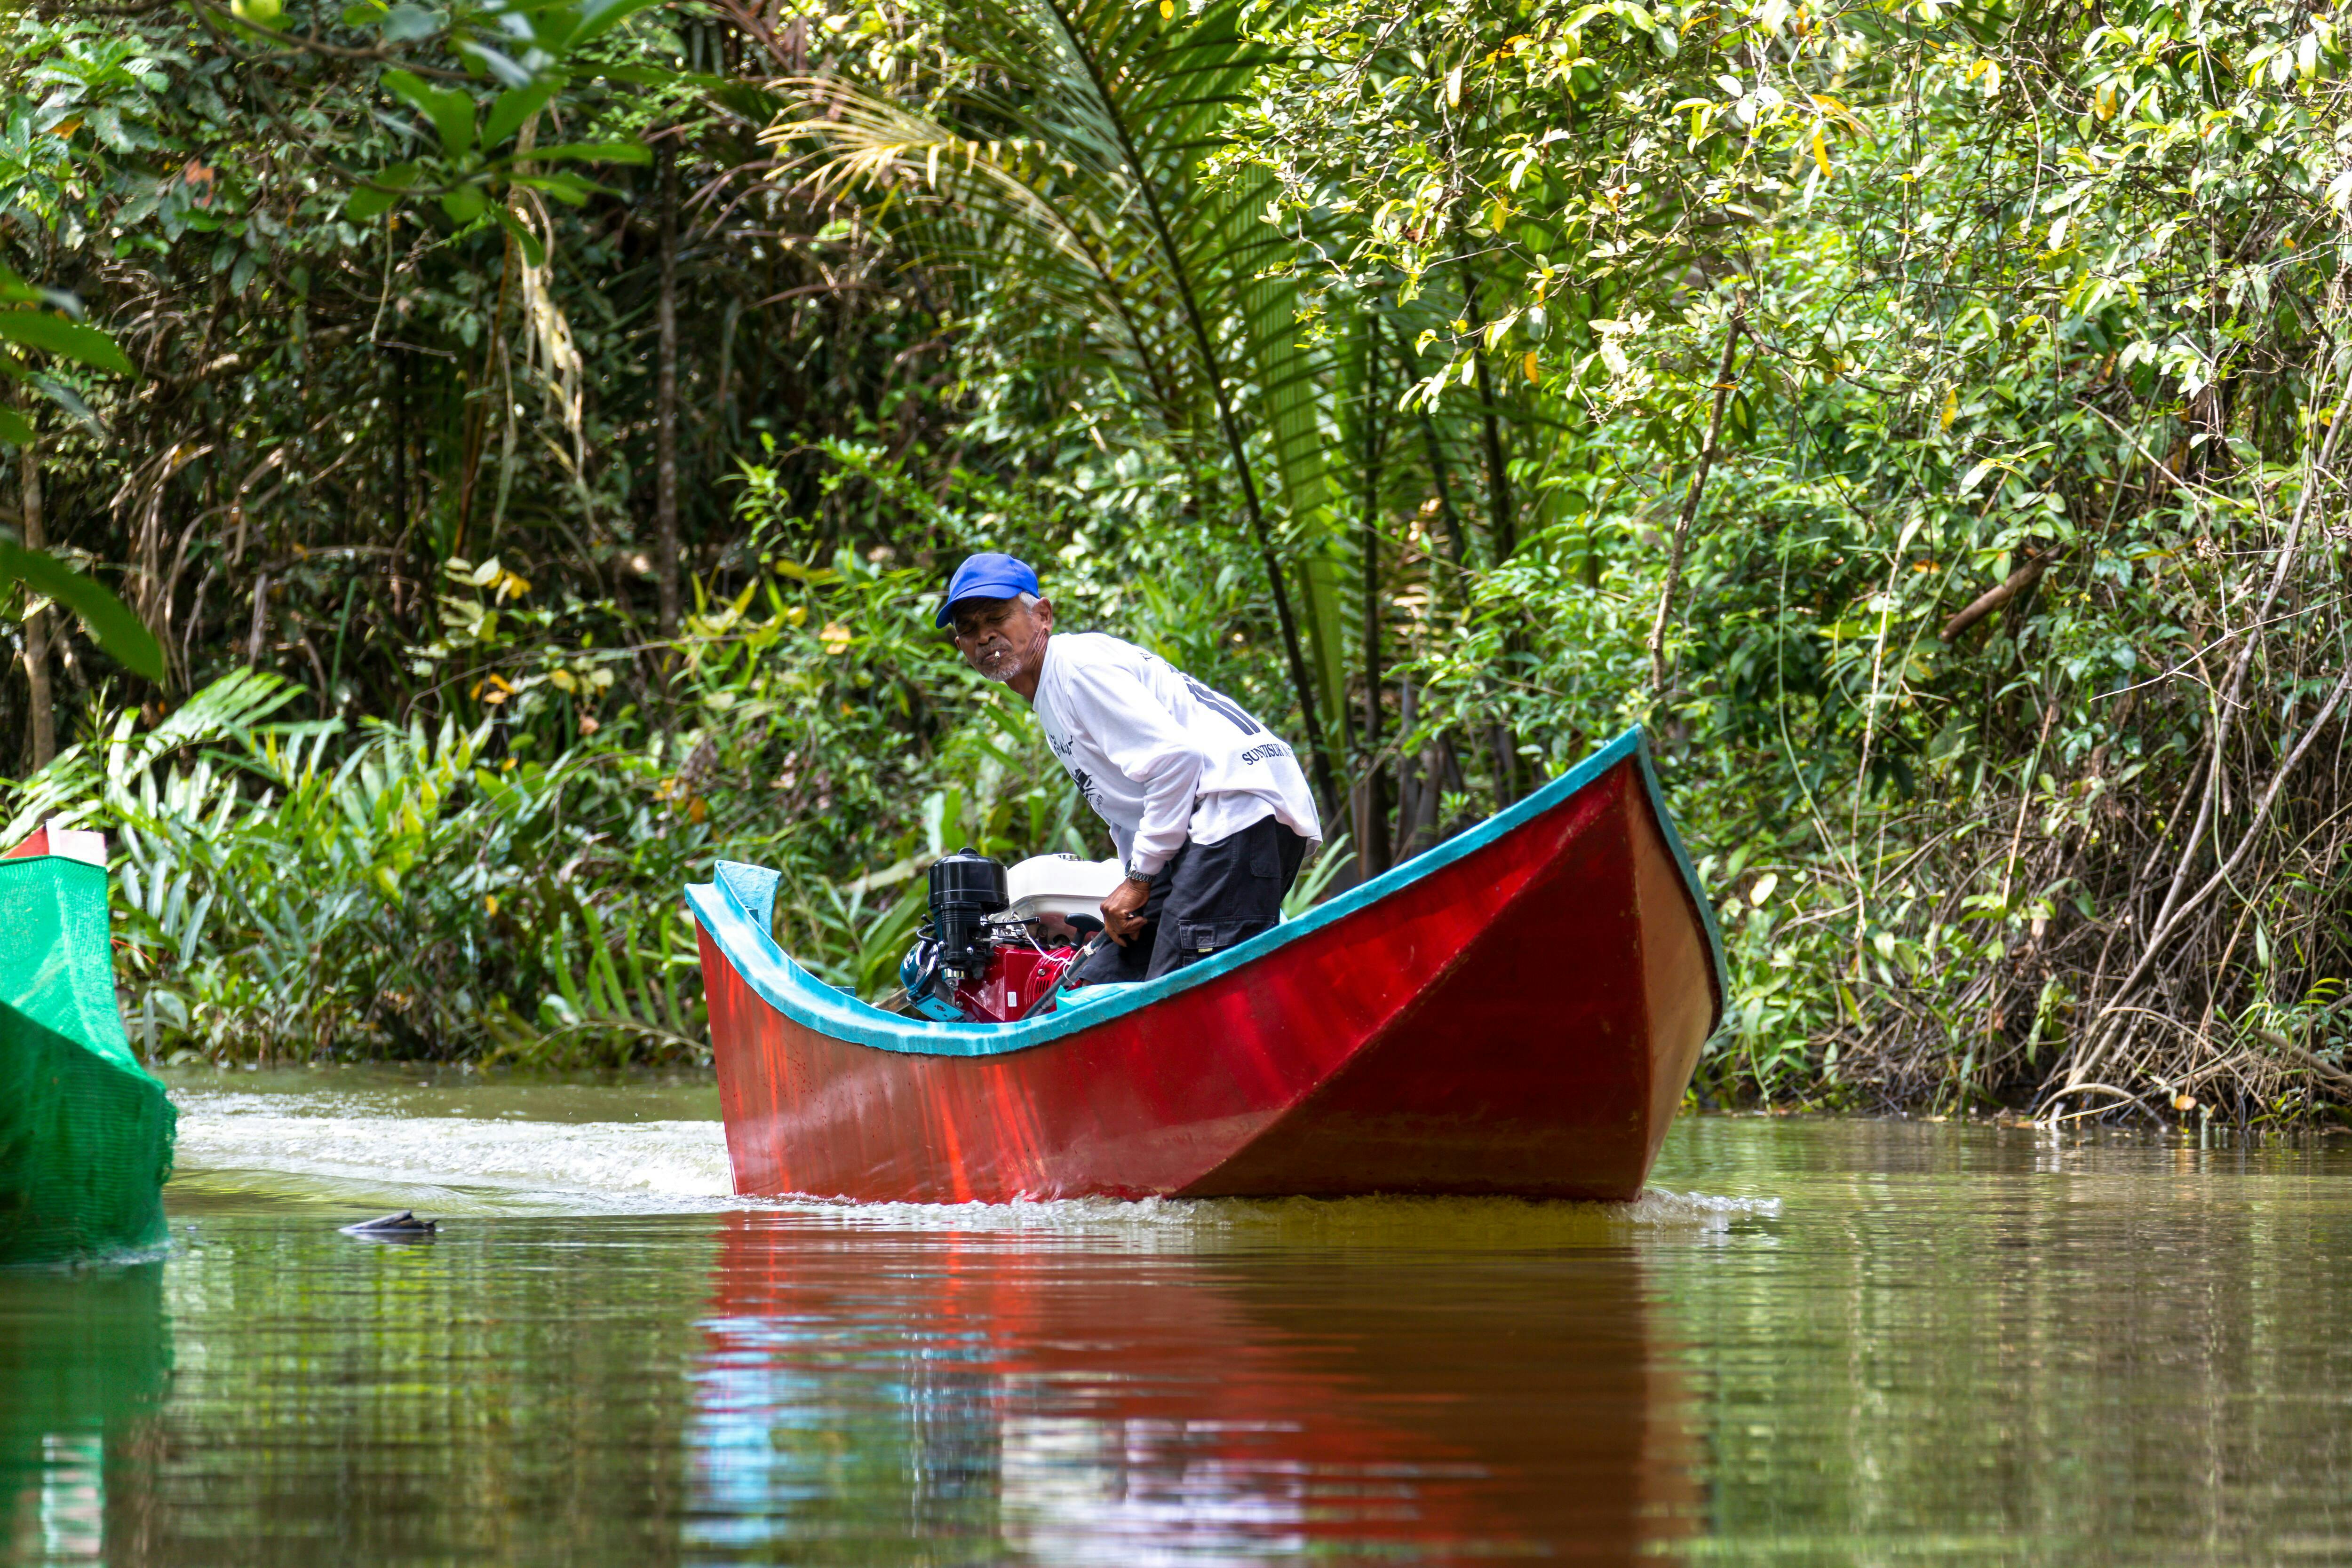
(85, 1361)
(511, 1394)
(1951, 1341)
(1966, 1341)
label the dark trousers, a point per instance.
(1205, 899)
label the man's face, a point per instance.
(1002, 639)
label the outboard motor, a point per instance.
(976, 959)
(966, 889)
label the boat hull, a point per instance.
(1521, 1017)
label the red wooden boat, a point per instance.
(1516, 1010)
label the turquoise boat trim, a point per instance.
(744, 935)
(753, 888)
(1094, 996)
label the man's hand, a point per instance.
(1122, 912)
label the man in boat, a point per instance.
(1210, 810)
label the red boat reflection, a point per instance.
(1051, 1402)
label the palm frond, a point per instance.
(1071, 160)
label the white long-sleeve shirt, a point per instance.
(1159, 756)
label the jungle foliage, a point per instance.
(546, 424)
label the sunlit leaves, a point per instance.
(479, 151)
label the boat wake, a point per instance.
(1376, 1222)
(342, 1151)
(332, 1151)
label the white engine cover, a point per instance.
(1060, 885)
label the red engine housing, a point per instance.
(1016, 974)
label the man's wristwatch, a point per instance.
(1142, 876)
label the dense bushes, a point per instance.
(1921, 417)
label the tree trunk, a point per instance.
(258, 629)
(477, 421)
(1410, 777)
(1454, 555)
(1501, 520)
(399, 368)
(1497, 737)
(1373, 795)
(36, 626)
(666, 396)
(1501, 512)
(1446, 778)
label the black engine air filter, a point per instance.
(966, 889)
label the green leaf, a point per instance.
(65, 398)
(598, 17)
(533, 251)
(15, 428)
(66, 339)
(405, 24)
(511, 109)
(748, 99)
(465, 203)
(451, 109)
(370, 201)
(111, 624)
(564, 188)
(639, 76)
(595, 152)
(501, 66)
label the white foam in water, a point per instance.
(1658, 1206)
(225, 1141)
(330, 1147)
(1372, 1221)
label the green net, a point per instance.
(85, 1133)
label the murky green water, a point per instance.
(1857, 1343)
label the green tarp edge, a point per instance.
(84, 1131)
(56, 953)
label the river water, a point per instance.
(1815, 1341)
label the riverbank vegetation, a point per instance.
(545, 427)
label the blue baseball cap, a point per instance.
(988, 575)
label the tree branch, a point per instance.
(1723, 389)
(2000, 594)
